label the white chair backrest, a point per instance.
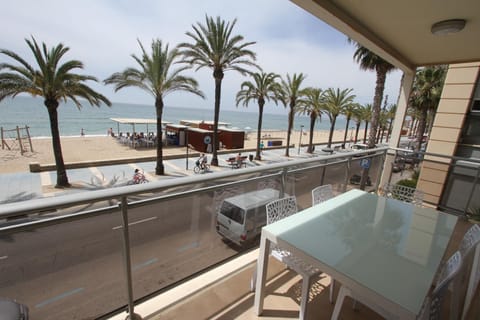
(321, 194)
(281, 208)
(470, 240)
(447, 274)
(403, 193)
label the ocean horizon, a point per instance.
(95, 121)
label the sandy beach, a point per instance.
(92, 148)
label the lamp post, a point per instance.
(300, 139)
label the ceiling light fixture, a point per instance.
(448, 26)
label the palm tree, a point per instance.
(291, 94)
(335, 102)
(370, 61)
(391, 116)
(427, 88)
(54, 81)
(358, 118)
(155, 76)
(349, 112)
(263, 88)
(215, 47)
(367, 116)
(313, 106)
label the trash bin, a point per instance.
(250, 157)
(269, 143)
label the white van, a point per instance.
(242, 217)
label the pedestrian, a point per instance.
(261, 147)
(82, 133)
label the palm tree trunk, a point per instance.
(313, 117)
(357, 128)
(346, 131)
(290, 125)
(365, 132)
(332, 128)
(376, 107)
(62, 179)
(422, 122)
(218, 75)
(259, 128)
(159, 169)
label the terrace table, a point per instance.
(383, 249)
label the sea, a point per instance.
(28, 111)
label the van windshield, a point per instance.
(233, 212)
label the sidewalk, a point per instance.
(24, 186)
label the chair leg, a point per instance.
(342, 293)
(332, 288)
(306, 280)
(253, 280)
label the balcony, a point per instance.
(153, 248)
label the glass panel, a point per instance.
(56, 270)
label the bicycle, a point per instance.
(198, 168)
(138, 178)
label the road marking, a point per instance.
(136, 222)
(177, 168)
(97, 173)
(59, 297)
(146, 263)
(188, 246)
(3, 257)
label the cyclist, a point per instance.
(138, 177)
(202, 161)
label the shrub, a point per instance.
(411, 183)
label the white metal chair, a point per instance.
(322, 193)
(470, 251)
(432, 307)
(403, 193)
(277, 210)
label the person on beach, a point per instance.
(82, 133)
(261, 146)
(239, 160)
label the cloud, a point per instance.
(103, 35)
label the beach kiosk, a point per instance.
(231, 138)
(175, 134)
(200, 139)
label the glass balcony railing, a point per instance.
(97, 253)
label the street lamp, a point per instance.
(300, 139)
(186, 144)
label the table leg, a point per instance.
(262, 267)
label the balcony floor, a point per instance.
(230, 297)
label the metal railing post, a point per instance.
(283, 184)
(472, 190)
(347, 174)
(128, 263)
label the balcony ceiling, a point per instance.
(399, 31)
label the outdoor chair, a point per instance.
(432, 307)
(277, 210)
(471, 265)
(403, 193)
(321, 194)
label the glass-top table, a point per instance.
(381, 248)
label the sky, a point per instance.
(103, 35)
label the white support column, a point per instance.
(405, 88)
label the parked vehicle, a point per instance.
(355, 179)
(12, 310)
(241, 217)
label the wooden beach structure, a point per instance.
(20, 135)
